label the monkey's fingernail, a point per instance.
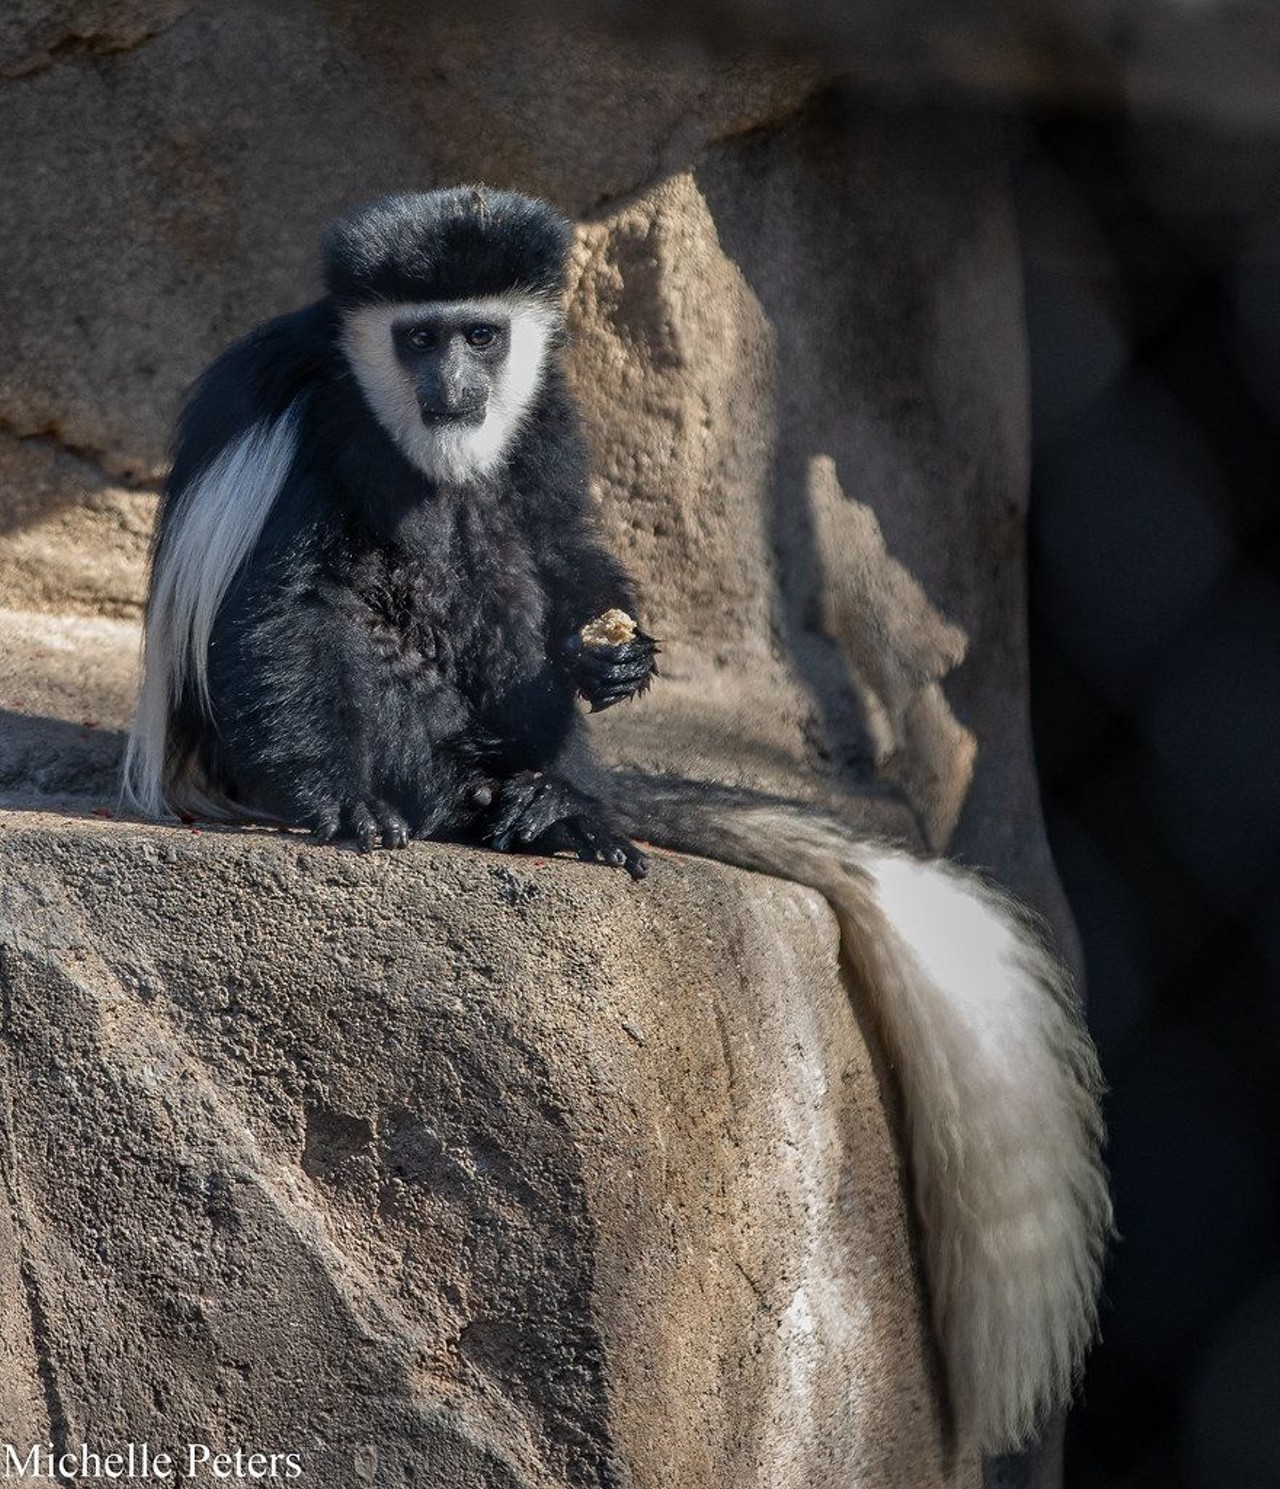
(482, 796)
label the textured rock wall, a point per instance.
(495, 1173)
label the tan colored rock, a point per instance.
(512, 1173)
(804, 370)
(162, 198)
(897, 649)
(671, 346)
(70, 539)
(66, 699)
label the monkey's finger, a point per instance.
(627, 682)
(622, 662)
(632, 678)
(395, 830)
(584, 835)
(544, 808)
(553, 804)
(325, 824)
(602, 658)
(640, 647)
(514, 800)
(364, 828)
(506, 833)
(611, 696)
(634, 659)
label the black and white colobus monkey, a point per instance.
(370, 571)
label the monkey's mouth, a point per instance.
(444, 418)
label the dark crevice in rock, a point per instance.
(46, 1364)
(78, 44)
(111, 471)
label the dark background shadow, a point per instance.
(1153, 276)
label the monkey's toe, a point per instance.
(539, 813)
(595, 843)
(523, 801)
(325, 824)
(370, 824)
(395, 834)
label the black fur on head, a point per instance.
(460, 243)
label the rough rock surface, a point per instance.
(518, 1175)
(1217, 61)
(484, 1172)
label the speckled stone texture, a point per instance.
(516, 1173)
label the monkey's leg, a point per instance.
(317, 726)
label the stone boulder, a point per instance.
(438, 1168)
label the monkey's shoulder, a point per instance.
(253, 385)
(266, 370)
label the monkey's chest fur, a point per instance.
(451, 603)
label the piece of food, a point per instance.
(613, 628)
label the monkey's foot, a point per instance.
(605, 675)
(368, 822)
(537, 813)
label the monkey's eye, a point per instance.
(480, 337)
(422, 337)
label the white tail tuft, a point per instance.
(1001, 1090)
(215, 522)
(1001, 1086)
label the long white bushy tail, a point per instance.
(999, 1082)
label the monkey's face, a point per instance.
(451, 381)
(453, 361)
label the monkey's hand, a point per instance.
(605, 673)
(538, 813)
